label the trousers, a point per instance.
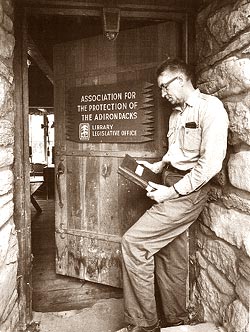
(154, 248)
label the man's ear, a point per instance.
(182, 79)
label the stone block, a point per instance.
(220, 281)
(5, 234)
(210, 51)
(221, 255)
(6, 72)
(203, 327)
(221, 177)
(239, 116)
(12, 255)
(7, 43)
(204, 45)
(8, 277)
(7, 23)
(3, 91)
(212, 297)
(239, 170)
(6, 181)
(202, 262)
(206, 231)
(229, 21)
(215, 193)
(7, 112)
(230, 225)
(5, 199)
(244, 266)
(6, 133)
(11, 322)
(210, 315)
(6, 157)
(11, 304)
(239, 47)
(1, 13)
(236, 317)
(236, 200)
(6, 213)
(231, 77)
(243, 290)
(8, 6)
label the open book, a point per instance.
(139, 174)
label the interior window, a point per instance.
(41, 138)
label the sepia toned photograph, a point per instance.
(124, 165)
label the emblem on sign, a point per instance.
(84, 131)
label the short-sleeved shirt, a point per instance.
(197, 140)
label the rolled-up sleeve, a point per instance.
(214, 130)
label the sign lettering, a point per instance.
(113, 113)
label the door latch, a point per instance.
(59, 173)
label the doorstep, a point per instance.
(204, 327)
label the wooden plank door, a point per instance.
(95, 205)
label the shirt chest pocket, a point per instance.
(192, 139)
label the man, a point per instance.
(197, 140)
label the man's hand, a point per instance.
(155, 167)
(161, 193)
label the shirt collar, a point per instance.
(191, 101)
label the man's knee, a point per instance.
(130, 245)
(125, 242)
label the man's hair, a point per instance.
(175, 65)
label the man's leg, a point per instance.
(159, 226)
(171, 270)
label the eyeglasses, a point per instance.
(164, 86)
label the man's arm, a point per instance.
(161, 193)
(156, 167)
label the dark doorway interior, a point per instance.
(52, 292)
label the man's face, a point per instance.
(171, 87)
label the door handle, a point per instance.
(59, 173)
(106, 170)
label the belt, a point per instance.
(171, 168)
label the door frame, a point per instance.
(24, 8)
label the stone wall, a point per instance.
(222, 289)
(8, 237)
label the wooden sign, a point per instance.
(113, 113)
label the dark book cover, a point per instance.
(139, 174)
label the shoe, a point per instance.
(154, 328)
(169, 324)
